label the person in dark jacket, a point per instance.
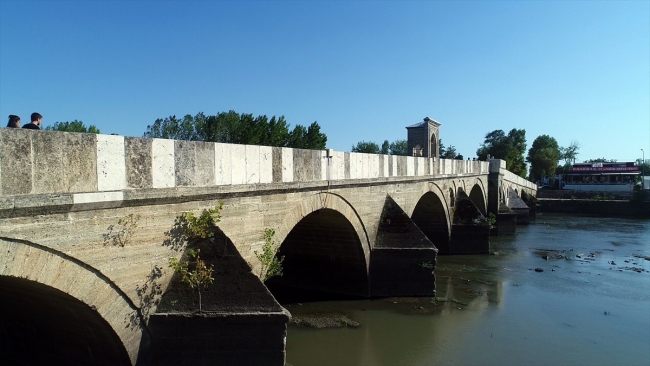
(36, 121)
(14, 121)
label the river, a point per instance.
(589, 306)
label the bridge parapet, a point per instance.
(46, 162)
(448, 167)
(499, 166)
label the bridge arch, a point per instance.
(43, 277)
(431, 214)
(452, 197)
(326, 247)
(478, 196)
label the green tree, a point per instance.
(195, 273)
(600, 160)
(510, 147)
(234, 128)
(297, 137)
(543, 157)
(277, 132)
(385, 148)
(307, 138)
(72, 126)
(172, 128)
(569, 153)
(399, 147)
(316, 140)
(219, 128)
(449, 152)
(367, 147)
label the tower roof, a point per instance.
(424, 123)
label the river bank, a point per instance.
(597, 207)
(588, 305)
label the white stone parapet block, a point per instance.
(252, 164)
(287, 165)
(238, 163)
(222, 164)
(162, 163)
(266, 164)
(111, 167)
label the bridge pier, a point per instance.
(506, 221)
(519, 207)
(242, 323)
(403, 260)
(470, 230)
(503, 201)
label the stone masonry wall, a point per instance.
(41, 162)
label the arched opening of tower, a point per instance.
(434, 147)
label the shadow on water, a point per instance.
(587, 306)
(287, 295)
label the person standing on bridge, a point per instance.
(35, 123)
(14, 121)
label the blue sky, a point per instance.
(574, 70)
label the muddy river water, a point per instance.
(589, 306)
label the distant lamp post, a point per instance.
(642, 168)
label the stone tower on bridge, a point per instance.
(424, 138)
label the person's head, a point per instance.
(36, 118)
(14, 121)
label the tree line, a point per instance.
(397, 147)
(226, 127)
(234, 128)
(544, 155)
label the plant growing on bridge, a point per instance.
(200, 227)
(198, 277)
(121, 234)
(188, 226)
(271, 265)
(492, 220)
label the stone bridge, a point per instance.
(78, 286)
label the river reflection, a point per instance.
(589, 306)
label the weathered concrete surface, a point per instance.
(139, 162)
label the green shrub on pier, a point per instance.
(271, 265)
(195, 273)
